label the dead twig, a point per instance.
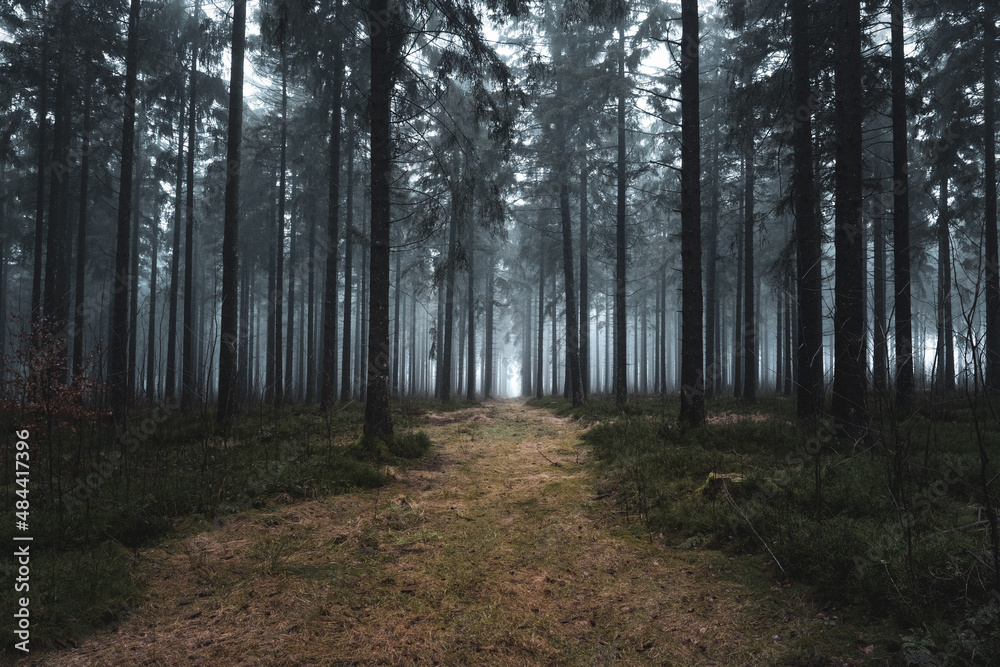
(749, 523)
(539, 450)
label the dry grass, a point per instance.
(488, 552)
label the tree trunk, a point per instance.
(133, 283)
(540, 348)
(526, 366)
(81, 237)
(378, 420)
(228, 329)
(290, 388)
(488, 379)
(946, 334)
(175, 265)
(569, 283)
(880, 334)
(119, 326)
(692, 377)
(584, 289)
(56, 294)
(739, 327)
(470, 381)
(346, 389)
(243, 377)
(396, 327)
(849, 383)
(188, 352)
(271, 351)
(279, 241)
(990, 244)
(312, 372)
(42, 166)
(749, 310)
(809, 397)
(439, 336)
(900, 217)
(447, 353)
(711, 273)
(151, 379)
(621, 257)
(789, 335)
(329, 391)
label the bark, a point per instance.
(945, 334)
(119, 327)
(880, 334)
(488, 379)
(809, 367)
(151, 379)
(133, 283)
(396, 327)
(900, 217)
(470, 381)
(584, 288)
(42, 162)
(711, 273)
(569, 283)
(290, 329)
(540, 361)
(81, 236)
(692, 408)
(189, 352)
(243, 378)
(175, 265)
(990, 245)
(346, 390)
(849, 383)
(329, 390)
(739, 327)
(279, 241)
(439, 336)
(271, 351)
(447, 352)
(749, 310)
(621, 256)
(311, 369)
(378, 420)
(56, 295)
(231, 222)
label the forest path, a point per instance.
(490, 551)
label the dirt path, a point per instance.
(490, 551)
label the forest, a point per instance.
(259, 250)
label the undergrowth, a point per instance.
(99, 492)
(894, 524)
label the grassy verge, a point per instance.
(98, 493)
(895, 526)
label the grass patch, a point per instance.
(99, 493)
(894, 526)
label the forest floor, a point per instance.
(493, 550)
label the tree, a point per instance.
(849, 383)
(188, 349)
(809, 397)
(230, 239)
(901, 216)
(692, 409)
(119, 323)
(990, 243)
(621, 253)
(572, 324)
